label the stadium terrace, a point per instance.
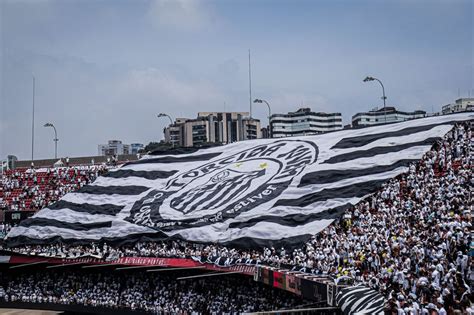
(401, 244)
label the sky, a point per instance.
(104, 69)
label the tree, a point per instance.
(153, 146)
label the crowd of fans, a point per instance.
(34, 189)
(4, 229)
(150, 292)
(411, 240)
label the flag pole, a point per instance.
(33, 125)
(250, 86)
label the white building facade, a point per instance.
(384, 116)
(213, 127)
(460, 105)
(114, 147)
(304, 122)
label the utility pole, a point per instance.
(250, 86)
(33, 125)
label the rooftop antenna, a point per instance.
(250, 86)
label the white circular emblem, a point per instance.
(225, 186)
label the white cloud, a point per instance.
(152, 83)
(90, 104)
(183, 15)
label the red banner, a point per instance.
(134, 261)
(154, 261)
(279, 280)
(248, 270)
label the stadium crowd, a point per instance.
(150, 292)
(34, 189)
(410, 240)
(4, 229)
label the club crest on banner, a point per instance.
(225, 186)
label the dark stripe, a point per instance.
(352, 142)
(378, 150)
(364, 298)
(111, 190)
(349, 293)
(331, 176)
(367, 299)
(172, 159)
(183, 150)
(65, 225)
(354, 190)
(295, 219)
(371, 300)
(143, 174)
(86, 208)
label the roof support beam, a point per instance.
(29, 264)
(214, 274)
(171, 269)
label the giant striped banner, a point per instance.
(248, 193)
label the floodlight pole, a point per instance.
(269, 115)
(55, 139)
(171, 122)
(33, 125)
(383, 93)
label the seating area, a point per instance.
(411, 240)
(33, 189)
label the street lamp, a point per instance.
(166, 115)
(367, 79)
(171, 122)
(269, 115)
(55, 139)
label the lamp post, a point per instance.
(269, 115)
(369, 78)
(171, 122)
(33, 126)
(55, 139)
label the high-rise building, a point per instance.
(114, 147)
(251, 129)
(174, 133)
(304, 122)
(384, 116)
(460, 105)
(213, 127)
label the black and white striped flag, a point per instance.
(360, 300)
(246, 193)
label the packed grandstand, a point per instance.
(144, 292)
(411, 241)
